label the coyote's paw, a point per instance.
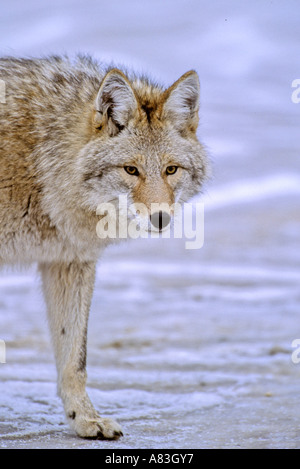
(97, 429)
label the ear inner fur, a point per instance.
(181, 101)
(115, 100)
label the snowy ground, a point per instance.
(187, 349)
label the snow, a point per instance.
(187, 349)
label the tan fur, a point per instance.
(67, 129)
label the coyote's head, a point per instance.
(144, 144)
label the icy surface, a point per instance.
(187, 349)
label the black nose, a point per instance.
(160, 220)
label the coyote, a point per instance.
(74, 134)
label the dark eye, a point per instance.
(171, 170)
(132, 170)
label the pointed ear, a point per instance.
(182, 101)
(115, 103)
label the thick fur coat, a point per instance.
(74, 135)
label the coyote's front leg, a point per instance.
(68, 291)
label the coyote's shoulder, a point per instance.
(42, 125)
